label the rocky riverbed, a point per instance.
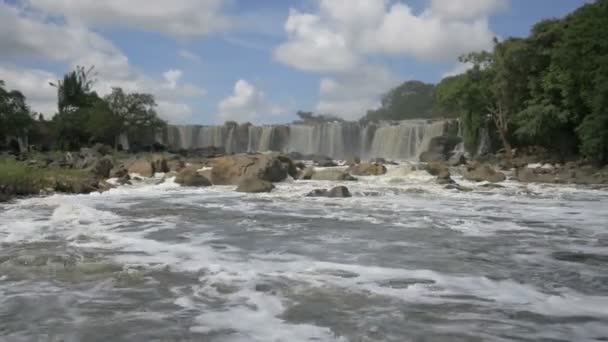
(402, 258)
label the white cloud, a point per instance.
(458, 69)
(340, 35)
(467, 9)
(247, 104)
(177, 18)
(351, 95)
(25, 36)
(34, 84)
(189, 55)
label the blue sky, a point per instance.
(208, 61)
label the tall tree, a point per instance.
(15, 117)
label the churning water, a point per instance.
(402, 260)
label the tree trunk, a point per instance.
(502, 125)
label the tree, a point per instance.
(410, 100)
(136, 112)
(15, 117)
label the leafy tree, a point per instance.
(15, 117)
(410, 100)
(136, 113)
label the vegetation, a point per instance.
(549, 89)
(83, 117)
(410, 100)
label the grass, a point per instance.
(19, 179)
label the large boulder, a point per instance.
(483, 173)
(437, 169)
(367, 169)
(254, 185)
(159, 164)
(323, 161)
(457, 159)
(190, 177)
(142, 167)
(102, 167)
(332, 175)
(336, 192)
(230, 170)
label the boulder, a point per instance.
(431, 156)
(323, 161)
(307, 173)
(332, 175)
(119, 171)
(437, 169)
(142, 167)
(175, 165)
(102, 167)
(353, 161)
(159, 164)
(189, 177)
(254, 185)
(336, 192)
(269, 167)
(367, 169)
(457, 159)
(484, 173)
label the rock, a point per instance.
(254, 185)
(437, 169)
(119, 172)
(336, 192)
(332, 175)
(300, 165)
(536, 175)
(324, 162)
(190, 177)
(484, 173)
(458, 187)
(125, 180)
(457, 159)
(492, 186)
(367, 169)
(307, 173)
(142, 167)
(104, 186)
(102, 167)
(159, 164)
(102, 149)
(175, 165)
(269, 167)
(445, 180)
(439, 148)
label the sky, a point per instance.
(210, 61)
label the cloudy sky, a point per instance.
(208, 61)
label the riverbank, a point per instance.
(99, 169)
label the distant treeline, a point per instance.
(83, 117)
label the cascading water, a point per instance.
(340, 140)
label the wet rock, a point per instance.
(353, 161)
(492, 186)
(176, 165)
(458, 187)
(269, 167)
(324, 162)
(336, 192)
(367, 169)
(119, 172)
(307, 173)
(483, 173)
(439, 148)
(437, 169)
(263, 287)
(159, 164)
(190, 177)
(332, 175)
(405, 283)
(254, 185)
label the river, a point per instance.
(402, 260)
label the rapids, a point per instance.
(402, 260)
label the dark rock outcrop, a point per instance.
(336, 192)
(440, 148)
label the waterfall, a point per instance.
(399, 140)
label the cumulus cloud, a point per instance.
(177, 18)
(351, 95)
(339, 35)
(247, 104)
(26, 36)
(34, 84)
